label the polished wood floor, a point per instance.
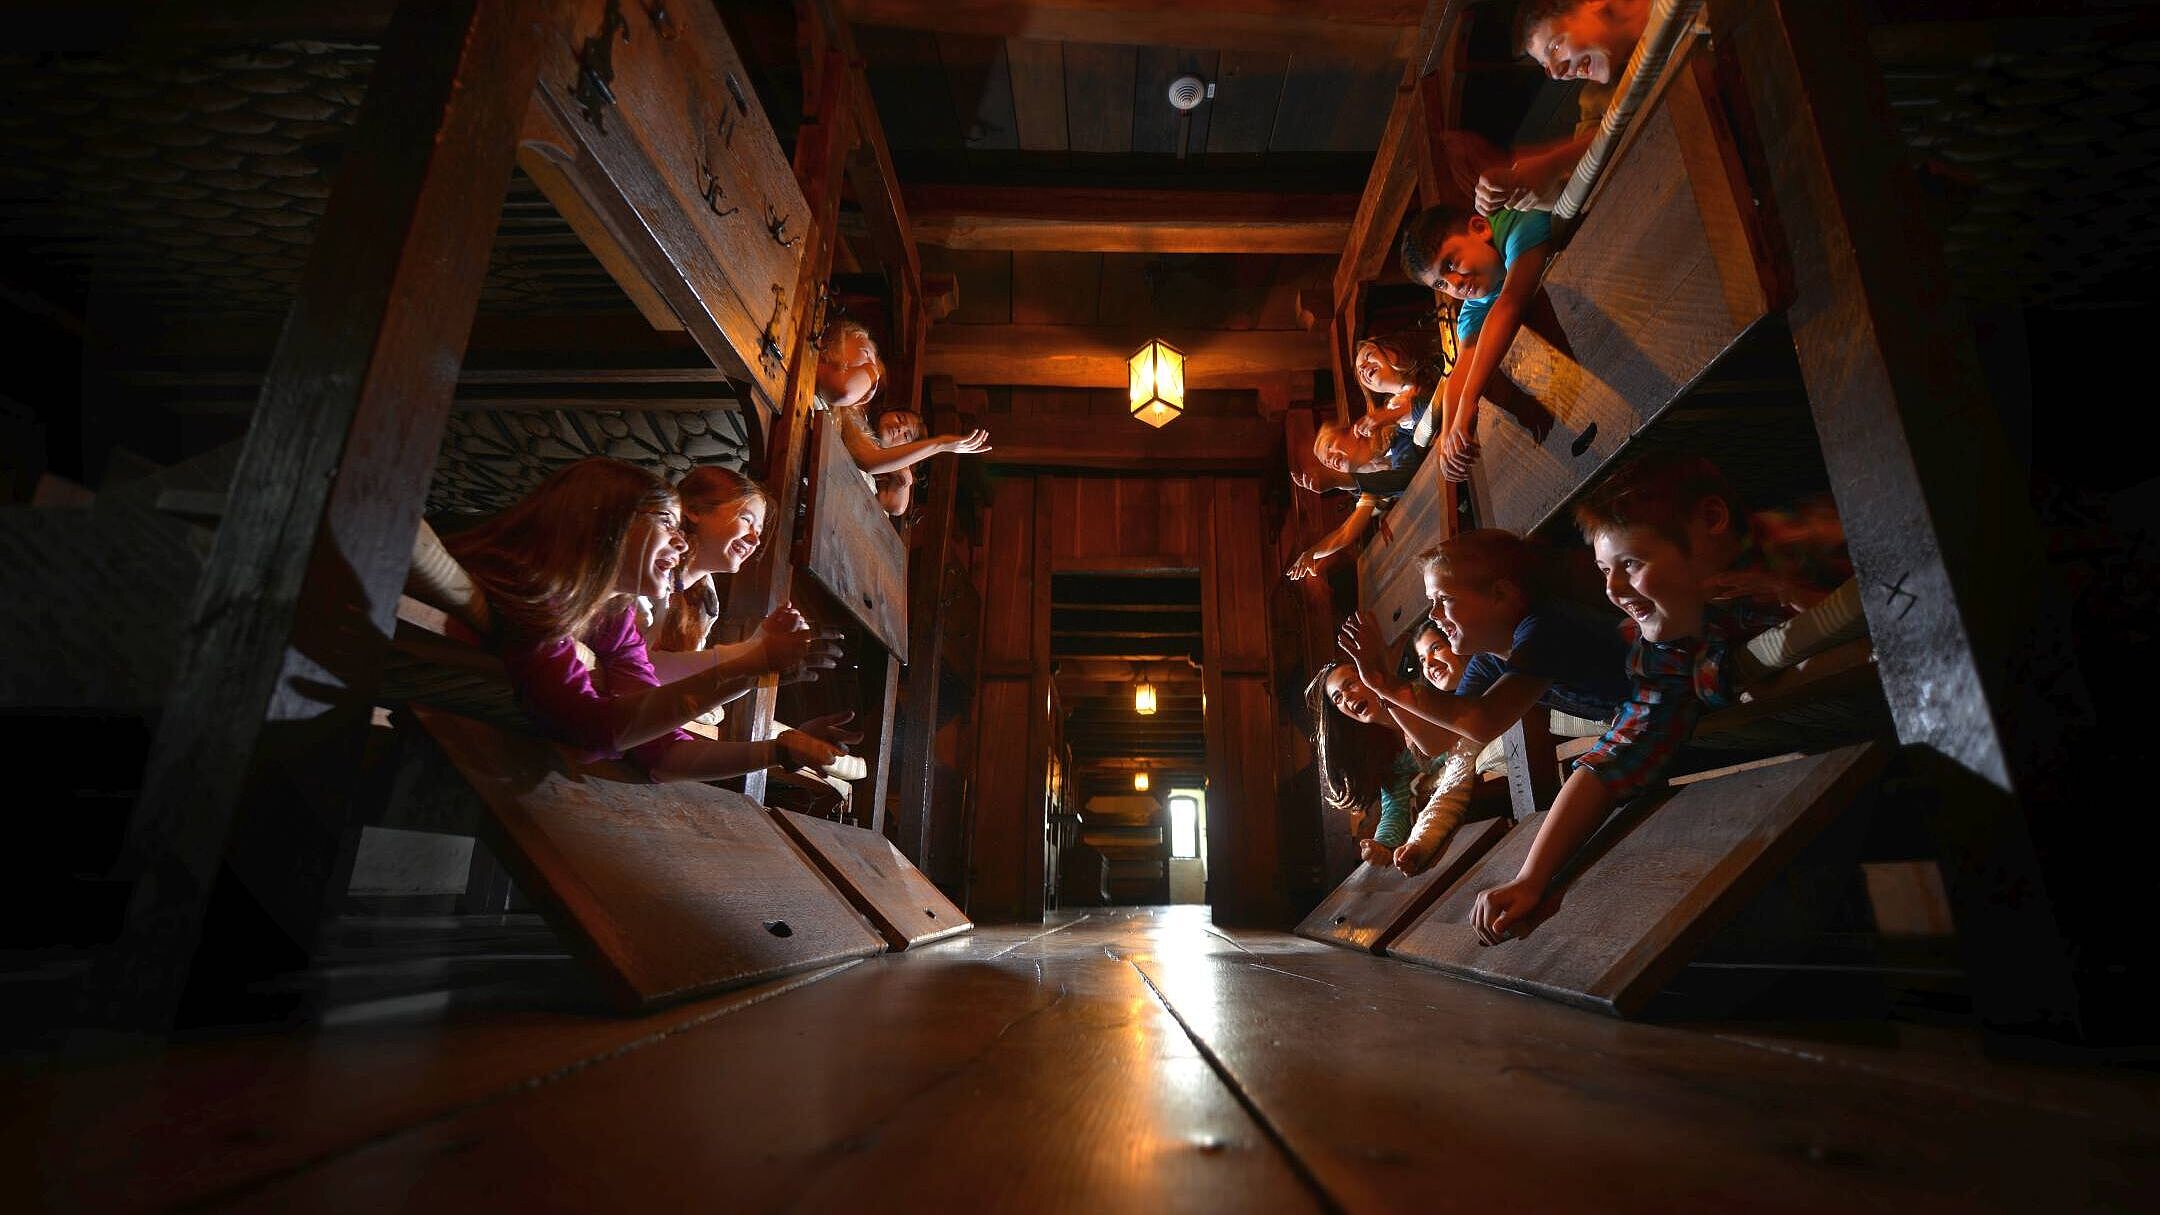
(1130, 1060)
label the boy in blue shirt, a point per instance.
(1492, 265)
(1524, 649)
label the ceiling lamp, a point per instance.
(1156, 385)
(1143, 698)
(1140, 782)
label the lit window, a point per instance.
(1184, 827)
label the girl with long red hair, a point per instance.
(561, 567)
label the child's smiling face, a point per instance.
(1379, 372)
(1351, 697)
(1476, 619)
(1432, 650)
(1655, 581)
(1467, 266)
(1345, 451)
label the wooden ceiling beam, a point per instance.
(1093, 356)
(1188, 445)
(1385, 28)
(1100, 220)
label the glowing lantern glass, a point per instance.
(1143, 699)
(1156, 385)
(1140, 782)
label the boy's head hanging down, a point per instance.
(1344, 450)
(1581, 39)
(1481, 584)
(1661, 527)
(1451, 250)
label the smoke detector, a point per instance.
(1187, 92)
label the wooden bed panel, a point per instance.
(1663, 275)
(854, 551)
(1654, 883)
(901, 903)
(1376, 903)
(693, 173)
(668, 891)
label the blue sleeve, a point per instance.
(1470, 317)
(1565, 648)
(1531, 229)
(1483, 672)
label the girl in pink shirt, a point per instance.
(562, 566)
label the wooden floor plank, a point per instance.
(1377, 902)
(1404, 1089)
(1036, 1074)
(208, 1118)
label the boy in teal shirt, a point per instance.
(1492, 266)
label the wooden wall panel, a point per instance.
(1124, 518)
(1013, 734)
(1008, 615)
(1245, 854)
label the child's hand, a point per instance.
(789, 642)
(1496, 187)
(1359, 638)
(973, 443)
(1306, 566)
(1412, 860)
(1373, 853)
(795, 749)
(832, 730)
(1459, 453)
(1365, 427)
(1506, 910)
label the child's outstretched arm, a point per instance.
(1534, 178)
(874, 459)
(1382, 418)
(1477, 364)
(1480, 718)
(1347, 533)
(1581, 805)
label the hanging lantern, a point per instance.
(1157, 383)
(1140, 782)
(1143, 699)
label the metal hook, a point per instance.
(662, 22)
(710, 188)
(596, 67)
(776, 227)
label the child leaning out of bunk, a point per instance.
(1379, 453)
(564, 566)
(1521, 648)
(1697, 579)
(1492, 266)
(724, 514)
(849, 376)
(1589, 41)
(1370, 769)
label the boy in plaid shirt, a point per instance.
(1697, 580)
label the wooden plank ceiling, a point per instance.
(1049, 174)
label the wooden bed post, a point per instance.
(821, 148)
(294, 609)
(916, 730)
(1978, 671)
